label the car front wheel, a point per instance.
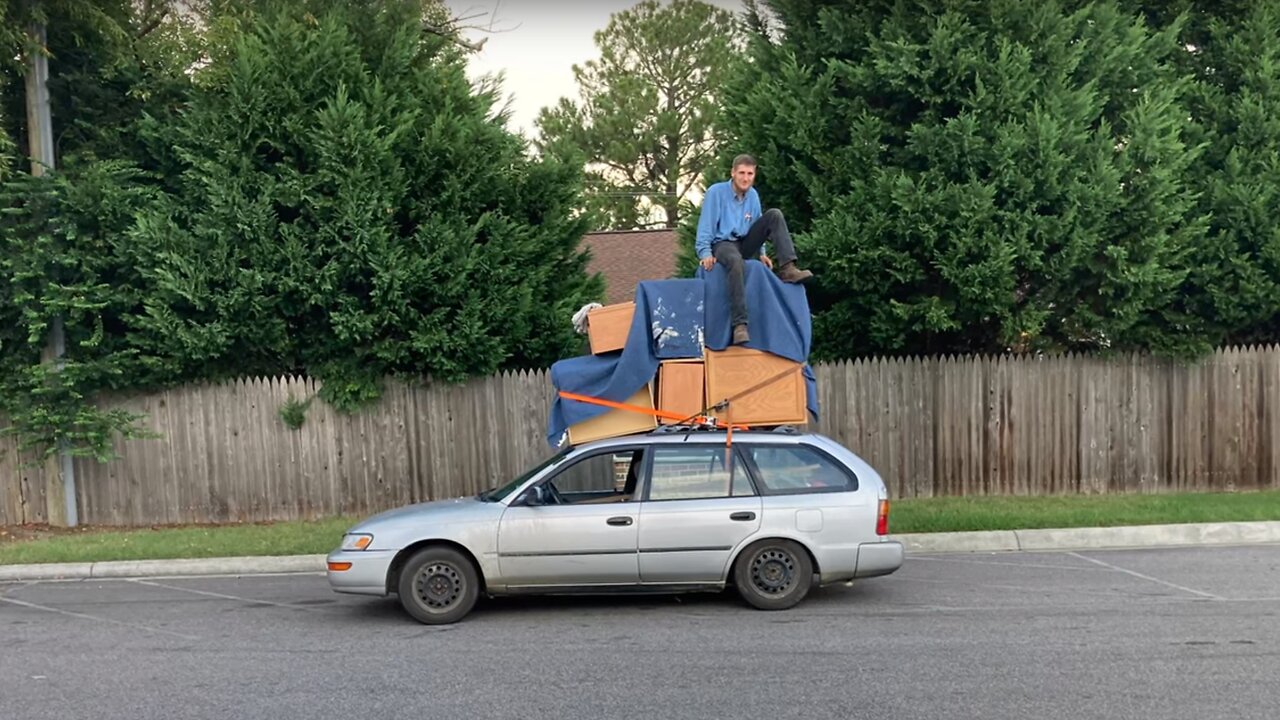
(438, 586)
(773, 574)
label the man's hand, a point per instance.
(708, 263)
(767, 262)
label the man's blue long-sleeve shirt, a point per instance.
(724, 216)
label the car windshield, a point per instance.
(497, 494)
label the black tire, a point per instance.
(773, 574)
(438, 586)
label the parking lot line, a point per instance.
(225, 596)
(5, 589)
(1175, 586)
(86, 616)
(1043, 566)
(1019, 588)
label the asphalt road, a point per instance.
(1171, 633)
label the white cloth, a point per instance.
(580, 317)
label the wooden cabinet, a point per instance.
(608, 327)
(617, 421)
(681, 388)
(736, 369)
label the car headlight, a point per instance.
(356, 541)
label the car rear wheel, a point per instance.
(773, 574)
(438, 586)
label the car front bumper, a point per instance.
(367, 574)
(878, 558)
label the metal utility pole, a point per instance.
(40, 139)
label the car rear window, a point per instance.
(792, 469)
(693, 472)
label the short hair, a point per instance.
(743, 159)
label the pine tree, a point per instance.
(64, 247)
(974, 176)
(111, 62)
(1233, 49)
(325, 193)
(647, 123)
(350, 208)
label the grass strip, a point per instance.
(93, 544)
(922, 515)
(961, 514)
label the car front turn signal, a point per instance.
(356, 541)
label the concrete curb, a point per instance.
(156, 568)
(1141, 536)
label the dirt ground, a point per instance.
(19, 533)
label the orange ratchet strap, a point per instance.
(664, 414)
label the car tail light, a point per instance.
(882, 518)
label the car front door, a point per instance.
(697, 508)
(585, 532)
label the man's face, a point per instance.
(743, 177)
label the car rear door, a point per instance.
(809, 495)
(697, 508)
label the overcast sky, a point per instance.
(537, 44)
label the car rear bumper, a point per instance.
(367, 574)
(878, 558)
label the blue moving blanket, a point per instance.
(677, 318)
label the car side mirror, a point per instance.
(536, 495)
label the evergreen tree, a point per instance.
(977, 176)
(8, 150)
(111, 63)
(64, 256)
(647, 124)
(323, 192)
(64, 251)
(351, 208)
(1233, 49)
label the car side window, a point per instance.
(605, 477)
(692, 472)
(793, 469)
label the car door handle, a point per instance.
(621, 520)
(743, 516)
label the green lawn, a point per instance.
(24, 545)
(95, 544)
(1024, 513)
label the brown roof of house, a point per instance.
(626, 257)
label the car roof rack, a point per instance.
(690, 428)
(683, 428)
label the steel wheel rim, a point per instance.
(773, 571)
(439, 586)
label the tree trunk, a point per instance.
(670, 200)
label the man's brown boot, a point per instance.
(740, 335)
(792, 274)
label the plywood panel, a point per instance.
(617, 422)
(608, 327)
(681, 388)
(737, 374)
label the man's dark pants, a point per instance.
(771, 227)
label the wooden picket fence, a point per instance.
(931, 426)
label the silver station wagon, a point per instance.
(771, 514)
